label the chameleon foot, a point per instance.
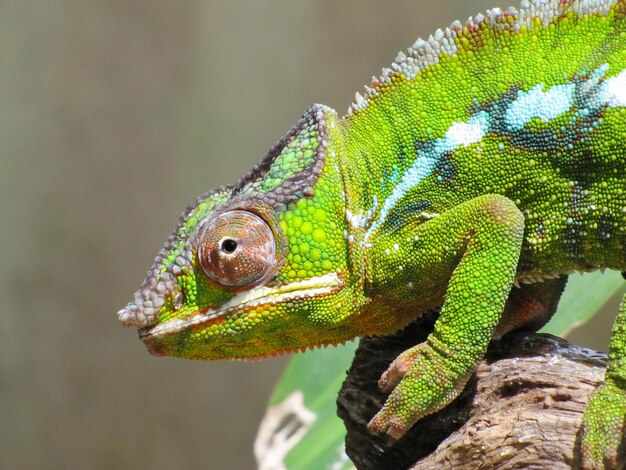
(602, 429)
(420, 383)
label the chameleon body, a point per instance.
(483, 167)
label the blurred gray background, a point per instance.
(114, 115)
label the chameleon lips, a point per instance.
(313, 287)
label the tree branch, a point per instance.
(522, 409)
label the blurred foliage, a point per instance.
(318, 374)
(584, 297)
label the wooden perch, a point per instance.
(522, 409)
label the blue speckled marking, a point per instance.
(536, 103)
(428, 155)
(613, 90)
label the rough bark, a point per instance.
(522, 409)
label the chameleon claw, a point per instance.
(395, 432)
(390, 379)
(390, 426)
(395, 373)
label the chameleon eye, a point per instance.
(237, 249)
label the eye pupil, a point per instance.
(229, 245)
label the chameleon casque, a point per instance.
(483, 167)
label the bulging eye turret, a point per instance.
(237, 249)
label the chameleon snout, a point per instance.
(142, 311)
(131, 316)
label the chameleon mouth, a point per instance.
(262, 295)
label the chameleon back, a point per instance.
(530, 104)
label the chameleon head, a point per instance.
(256, 268)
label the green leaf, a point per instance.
(317, 376)
(584, 296)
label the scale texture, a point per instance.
(475, 174)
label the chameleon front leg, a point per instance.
(477, 259)
(603, 426)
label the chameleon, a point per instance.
(475, 174)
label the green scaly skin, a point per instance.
(475, 175)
